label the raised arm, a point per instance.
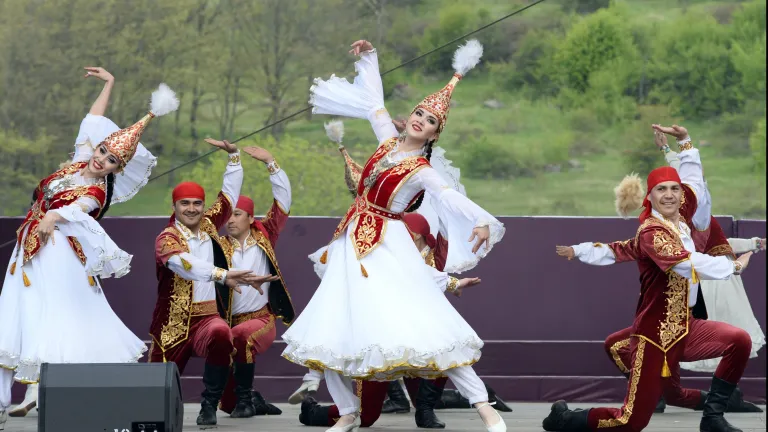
(277, 216)
(220, 211)
(99, 106)
(692, 175)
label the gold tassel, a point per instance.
(324, 257)
(13, 267)
(186, 264)
(362, 269)
(91, 281)
(694, 276)
(665, 372)
(26, 279)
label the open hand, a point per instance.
(565, 251)
(224, 145)
(680, 133)
(360, 46)
(466, 283)
(259, 280)
(99, 73)
(259, 153)
(400, 125)
(46, 227)
(483, 234)
(761, 244)
(660, 139)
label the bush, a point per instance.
(485, 159)
(640, 153)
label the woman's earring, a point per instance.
(403, 134)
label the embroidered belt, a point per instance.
(363, 206)
(247, 316)
(203, 308)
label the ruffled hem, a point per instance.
(28, 371)
(375, 363)
(319, 266)
(118, 264)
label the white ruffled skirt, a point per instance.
(395, 322)
(60, 317)
(727, 302)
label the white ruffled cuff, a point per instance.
(103, 258)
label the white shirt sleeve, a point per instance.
(368, 76)
(707, 267)
(594, 254)
(458, 216)
(741, 246)
(195, 269)
(672, 160)
(233, 178)
(281, 189)
(692, 174)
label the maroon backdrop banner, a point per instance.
(544, 319)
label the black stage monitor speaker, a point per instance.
(124, 397)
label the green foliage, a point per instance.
(757, 145)
(640, 153)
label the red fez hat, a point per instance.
(188, 190)
(659, 175)
(245, 204)
(418, 224)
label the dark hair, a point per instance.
(110, 188)
(428, 154)
(34, 197)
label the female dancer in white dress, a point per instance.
(52, 308)
(727, 300)
(372, 261)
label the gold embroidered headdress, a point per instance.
(123, 143)
(438, 104)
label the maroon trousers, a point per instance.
(372, 395)
(705, 340)
(253, 334)
(209, 337)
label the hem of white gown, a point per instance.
(28, 371)
(394, 364)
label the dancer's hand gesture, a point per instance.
(224, 145)
(761, 244)
(466, 283)
(360, 46)
(565, 251)
(99, 73)
(680, 133)
(400, 125)
(660, 139)
(259, 153)
(483, 234)
(261, 280)
(46, 227)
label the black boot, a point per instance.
(452, 399)
(426, 399)
(495, 400)
(261, 406)
(313, 414)
(712, 419)
(397, 402)
(214, 379)
(243, 375)
(563, 419)
(737, 403)
(661, 406)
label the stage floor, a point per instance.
(526, 417)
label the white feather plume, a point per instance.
(335, 130)
(163, 101)
(467, 56)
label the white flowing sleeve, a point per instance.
(103, 258)
(706, 267)
(596, 254)
(363, 98)
(692, 174)
(193, 268)
(134, 176)
(442, 279)
(458, 216)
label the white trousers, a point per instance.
(313, 375)
(6, 381)
(464, 378)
